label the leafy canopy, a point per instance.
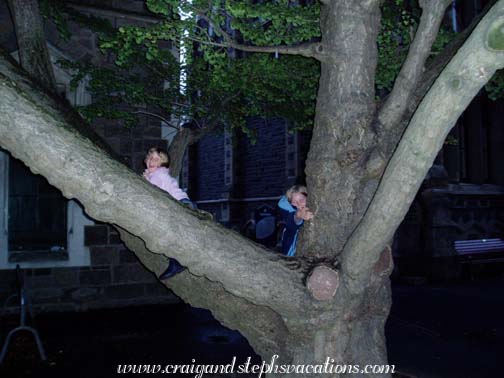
(218, 83)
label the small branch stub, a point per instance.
(323, 282)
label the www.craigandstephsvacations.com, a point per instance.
(271, 367)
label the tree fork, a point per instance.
(263, 328)
(35, 131)
(342, 136)
(470, 69)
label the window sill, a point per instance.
(37, 256)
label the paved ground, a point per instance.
(446, 331)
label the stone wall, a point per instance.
(424, 243)
(114, 276)
(259, 171)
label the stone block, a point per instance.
(138, 147)
(130, 5)
(152, 131)
(123, 131)
(5, 292)
(87, 43)
(95, 235)
(154, 122)
(127, 160)
(42, 272)
(35, 282)
(125, 291)
(126, 256)
(104, 255)
(126, 146)
(129, 22)
(66, 277)
(160, 143)
(84, 294)
(113, 142)
(46, 295)
(7, 276)
(133, 272)
(138, 163)
(157, 289)
(111, 130)
(56, 307)
(114, 236)
(138, 130)
(95, 277)
(87, 58)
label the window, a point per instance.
(228, 158)
(38, 226)
(291, 153)
(184, 173)
(37, 220)
(224, 212)
(53, 233)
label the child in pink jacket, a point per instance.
(157, 173)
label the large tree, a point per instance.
(365, 165)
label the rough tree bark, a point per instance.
(33, 52)
(186, 137)
(340, 186)
(268, 297)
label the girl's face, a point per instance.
(299, 200)
(153, 161)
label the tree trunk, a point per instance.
(347, 331)
(473, 66)
(338, 315)
(177, 149)
(339, 165)
(33, 53)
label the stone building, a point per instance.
(71, 262)
(240, 176)
(462, 197)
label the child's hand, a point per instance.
(146, 174)
(304, 213)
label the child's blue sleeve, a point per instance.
(290, 222)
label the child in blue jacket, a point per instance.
(294, 212)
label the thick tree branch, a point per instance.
(342, 135)
(33, 53)
(262, 327)
(389, 140)
(186, 137)
(177, 149)
(413, 67)
(473, 65)
(309, 50)
(34, 131)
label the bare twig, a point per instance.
(310, 50)
(168, 123)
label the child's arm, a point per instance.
(303, 214)
(291, 221)
(170, 185)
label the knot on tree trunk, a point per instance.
(385, 264)
(495, 35)
(323, 282)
